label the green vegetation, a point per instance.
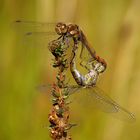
(112, 28)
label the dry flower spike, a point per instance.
(59, 115)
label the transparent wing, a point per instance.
(32, 26)
(108, 104)
(100, 100)
(89, 95)
(39, 39)
(43, 88)
(35, 33)
(95, 100)
(71, 89)
(87, 52)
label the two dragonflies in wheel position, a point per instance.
(95, 65)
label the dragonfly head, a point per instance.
(61, 28)
(73, 30)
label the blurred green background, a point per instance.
(111, 26)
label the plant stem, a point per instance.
(59, 115)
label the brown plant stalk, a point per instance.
(59, 114)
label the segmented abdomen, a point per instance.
(75, 73)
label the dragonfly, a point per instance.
(91, 77)
(88, 82)
(87, 85)
(96, 98)
(85, 82)
(65, 32)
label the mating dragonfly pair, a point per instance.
(95, 65)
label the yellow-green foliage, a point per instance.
(112, 28)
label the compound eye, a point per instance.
(61, 28)
(73, 30)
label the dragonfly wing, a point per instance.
(89, 98)
(99, 101)
(39, 39)
(120, 113)
(35, 33)
(87, 52)
(44, 88)
(84, 54)
(85, 57)
(32, 26)
(71, 89)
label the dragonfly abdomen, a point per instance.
(88, 79)
(75, 73)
